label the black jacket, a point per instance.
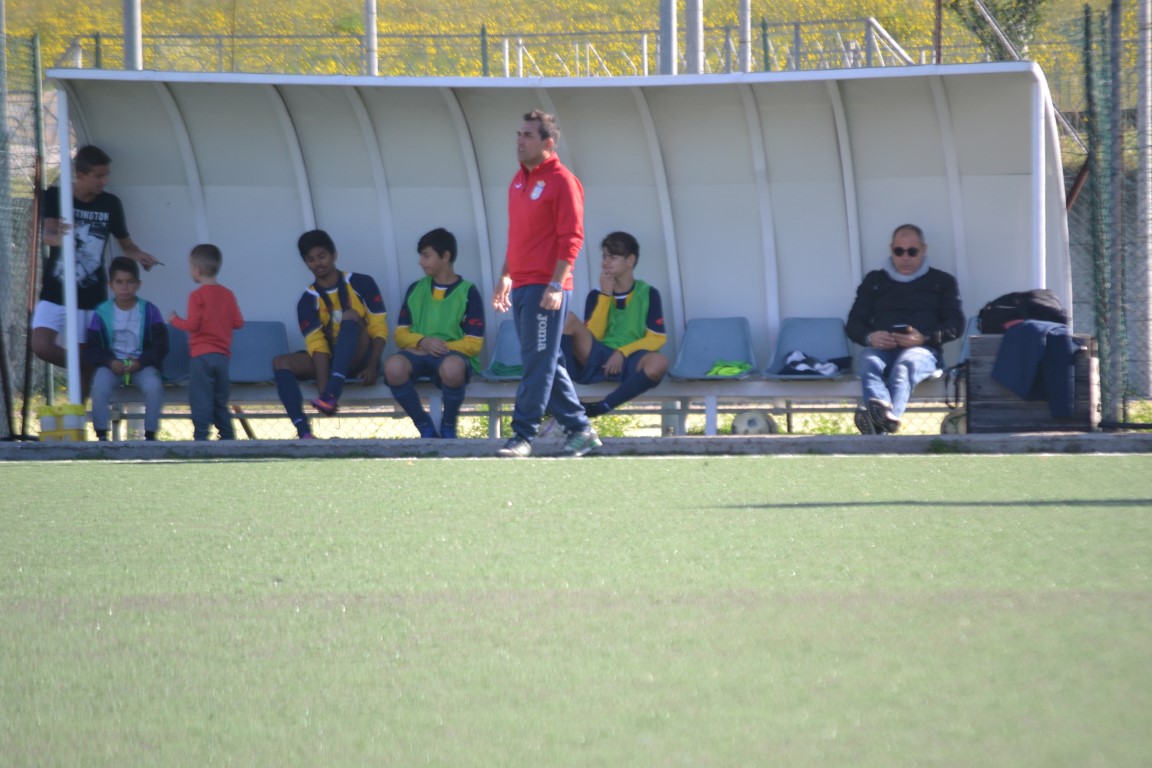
(930, 304)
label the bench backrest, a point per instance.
(253, 348)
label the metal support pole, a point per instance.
(371, 49)
(133, 37)
(1115, 236)
(1142, 261)
(764, 44)
(744, 55)
(669, 55)
(484, 50)
(694, 36)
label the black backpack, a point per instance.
(1039, 304)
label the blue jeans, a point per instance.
(546, 384)
(147, 380)
(208, 392)
(890, 375)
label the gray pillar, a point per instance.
(133, 38)
(694, 36)
(669, 53)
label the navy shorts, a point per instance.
(428, 366)
(593, 371)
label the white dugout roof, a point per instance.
(765, 195)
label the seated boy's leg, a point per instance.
(577, 341)
(149, 381)
(455, 370)
(103, 382)
(288, 370)
(351, 345)
(200, 396)
(399, 370)
(48, 335)
(642, 371)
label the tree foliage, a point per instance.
(1018, 20)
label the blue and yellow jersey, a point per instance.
(453, 313)
(319, 310)
(629, 322)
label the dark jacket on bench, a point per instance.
(1037, 362)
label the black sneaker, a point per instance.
(881, 414)
(516, 448)
(598, 408)
(864, 422)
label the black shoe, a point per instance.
(881, 414)
(598, 408)
(864, 422)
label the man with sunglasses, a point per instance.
(902, 316)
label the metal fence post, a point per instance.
(484, 49)
(764, 43)
(796, 45)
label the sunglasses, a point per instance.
(910, 251)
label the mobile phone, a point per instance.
(901, 328)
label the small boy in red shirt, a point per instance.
(212, 316)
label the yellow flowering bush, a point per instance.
(442, 37)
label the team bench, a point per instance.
(688, 389)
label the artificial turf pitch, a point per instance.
(862, 611)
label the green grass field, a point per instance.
(813, 611)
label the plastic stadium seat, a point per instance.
(709, 340)
(822, 338)
(253, 348)
(505, 364)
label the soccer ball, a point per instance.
(754, 423)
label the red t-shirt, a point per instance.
(545, 222)
(212, 316)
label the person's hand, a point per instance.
(54, 231)
(607, 284)
(433, 346)
(551, 299)
(882, 340)
(369, 375)
(502, 294)
(911, 338)
(614, 364)
(172, 317)
(146, 260)
(117, 367)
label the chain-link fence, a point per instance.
(18, 159)
(1111, 270)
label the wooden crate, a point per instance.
(994, 408)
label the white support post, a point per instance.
(68, 245)
(371, 50)
(1039, 224)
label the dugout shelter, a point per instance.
(765, 195)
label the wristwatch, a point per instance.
(557, 286)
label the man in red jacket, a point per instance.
(545, 234)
